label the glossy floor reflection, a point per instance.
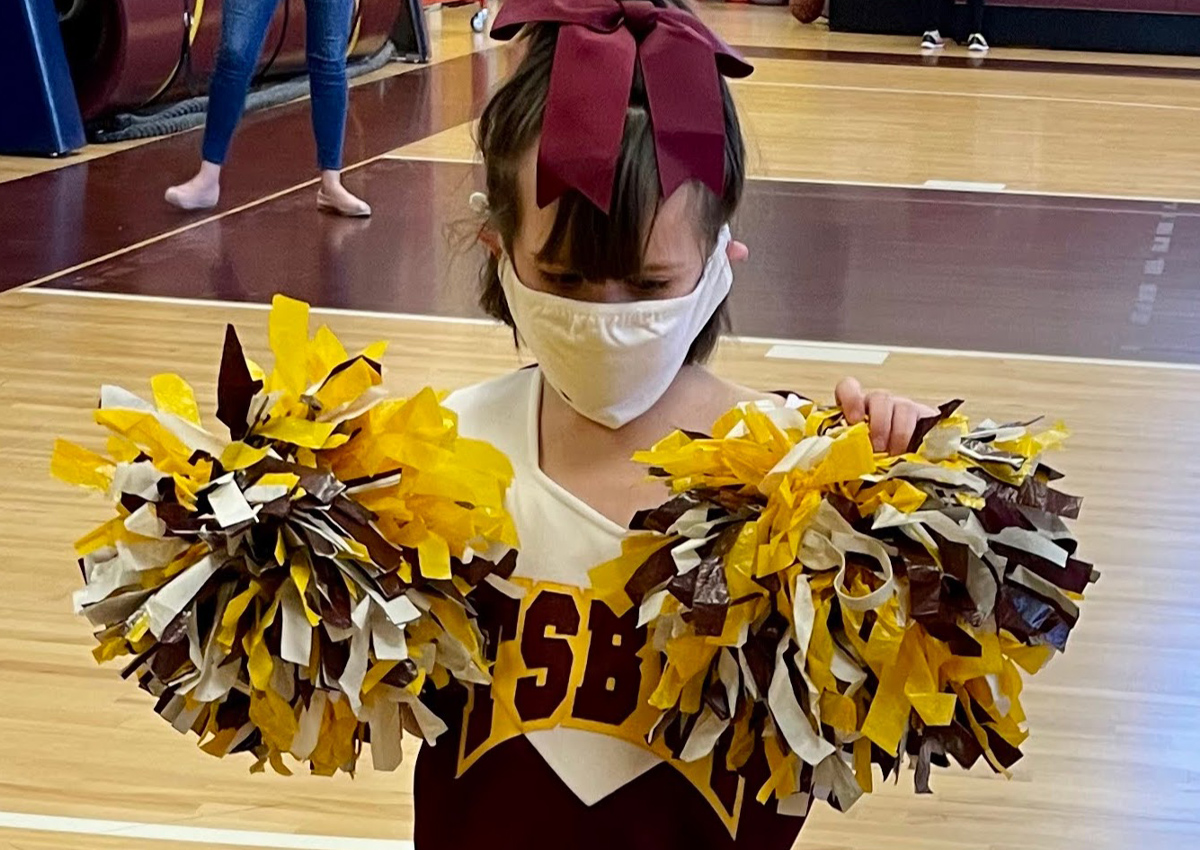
(924, 268)
(62, 218)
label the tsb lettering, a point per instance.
(548, 653)
(613, 675)
(564, 659)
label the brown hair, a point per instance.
(597, 245)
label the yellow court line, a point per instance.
(441, 160)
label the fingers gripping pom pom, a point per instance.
(299, 586)
(838, 607)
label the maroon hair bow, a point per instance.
(599, 43)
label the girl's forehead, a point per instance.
(674, 229)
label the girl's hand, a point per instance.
(893, 419)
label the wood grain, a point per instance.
(826, 122)
(1110, 763)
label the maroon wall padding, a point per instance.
(124, 53)
(1163, 7)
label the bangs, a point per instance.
(599, 245)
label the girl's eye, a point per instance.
(650, 285)
(565, 279)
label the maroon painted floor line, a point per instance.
(62, 218)
(1057, 276)
(944, 60)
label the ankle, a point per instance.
(331, 181)
(209, 173)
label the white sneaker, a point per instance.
(932, 40)
(977, 43)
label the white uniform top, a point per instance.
(562, 538)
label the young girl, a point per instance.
(614, 165)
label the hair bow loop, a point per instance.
(600, 43)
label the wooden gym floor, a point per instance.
(1022, 232)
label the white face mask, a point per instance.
(612, 362)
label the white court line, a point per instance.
(193, 834)
(1133, 104)
(963, 186)
(784, 344)
(770, 342)
(828, 353)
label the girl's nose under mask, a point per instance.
(612, 362)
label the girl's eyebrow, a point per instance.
(665, 268)
(661, 268)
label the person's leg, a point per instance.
(327, 37)
(977, 42)
(244, 26)
(977, 16)
(931, 13)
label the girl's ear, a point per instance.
(737, 251)
(490, 239)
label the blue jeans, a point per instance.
(244, 26)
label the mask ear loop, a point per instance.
(487, 236)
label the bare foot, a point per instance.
(201, 192)
(335, 198)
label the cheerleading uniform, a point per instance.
(554, 753)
